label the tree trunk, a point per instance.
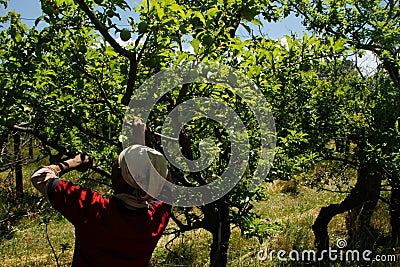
(216, 221)
(219, 247)
(366, 188)
(18, 164)
(395, 210)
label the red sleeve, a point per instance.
(159, 213)
(75, 203)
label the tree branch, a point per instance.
(59, 148)
(104, 32)
(97, 81)
(101, 171)
(183, 227)
(131, 82)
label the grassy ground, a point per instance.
(23, 238)
(294, 212)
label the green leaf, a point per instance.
(212, 11)
(160, 13)
(195, 44)
(246, 27)
(257, 22)
(176, 7)
(200, 16)
(18, 37)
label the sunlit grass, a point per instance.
(29, 245)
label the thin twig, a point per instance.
(170, 241)
(166, 137)
(52, 248)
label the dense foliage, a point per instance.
(67, 82)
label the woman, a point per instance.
(119, 231)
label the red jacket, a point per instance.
(106, 232)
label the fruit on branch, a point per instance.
(125, 34)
